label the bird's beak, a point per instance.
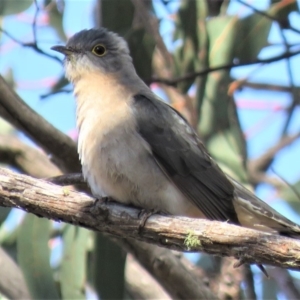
(62, 49)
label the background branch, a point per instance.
(53, 141)
(175, 81)
(258, 166)
(25, 158)
(12, 283)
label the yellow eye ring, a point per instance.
(99, 50)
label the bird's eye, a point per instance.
(99, 50)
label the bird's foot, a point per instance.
(240, 262)
(262, 268)
(106, 200)
(144, 215)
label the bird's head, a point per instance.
(94, 50)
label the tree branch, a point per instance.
(140, 284)
(281, 22)
(32, 45)
(217, 238)
(262, 163)
(53, 141)
(12, 283)
(25, 158)
(175, 81)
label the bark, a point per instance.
(177, 233)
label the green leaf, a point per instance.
(11, 7)
(109, 265)
(291, 193)
(4, 212)
(253, 31)
(73, 268)
(222, 32)
(251, 37)
(282, 9)
(269, 288)
(218, 122)
(141, 46)
(191, 31)
(56, 14)
(117, 15)
(227, 158)
(34, 257)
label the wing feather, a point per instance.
(180, 153)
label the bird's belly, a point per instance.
(120, 165)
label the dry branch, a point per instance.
(217, 238)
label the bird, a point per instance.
(138, 150)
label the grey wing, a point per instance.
(178, 150)
(267, 216)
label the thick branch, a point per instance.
(217, 238)
(12, 283)
(162, 264)
(25, 158)
(139, 280)
(53, 141)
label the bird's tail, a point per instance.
(255, 213)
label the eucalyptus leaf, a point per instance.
(73, 268)
(11, 7)
(34, 257)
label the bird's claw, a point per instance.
(144, 215)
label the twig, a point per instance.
(67, 91)
(175, 81)
(32, 45)
(263, 162)
(287, 184)
(34, 29)
(262, 13)
(217, 238)
(265, 86)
